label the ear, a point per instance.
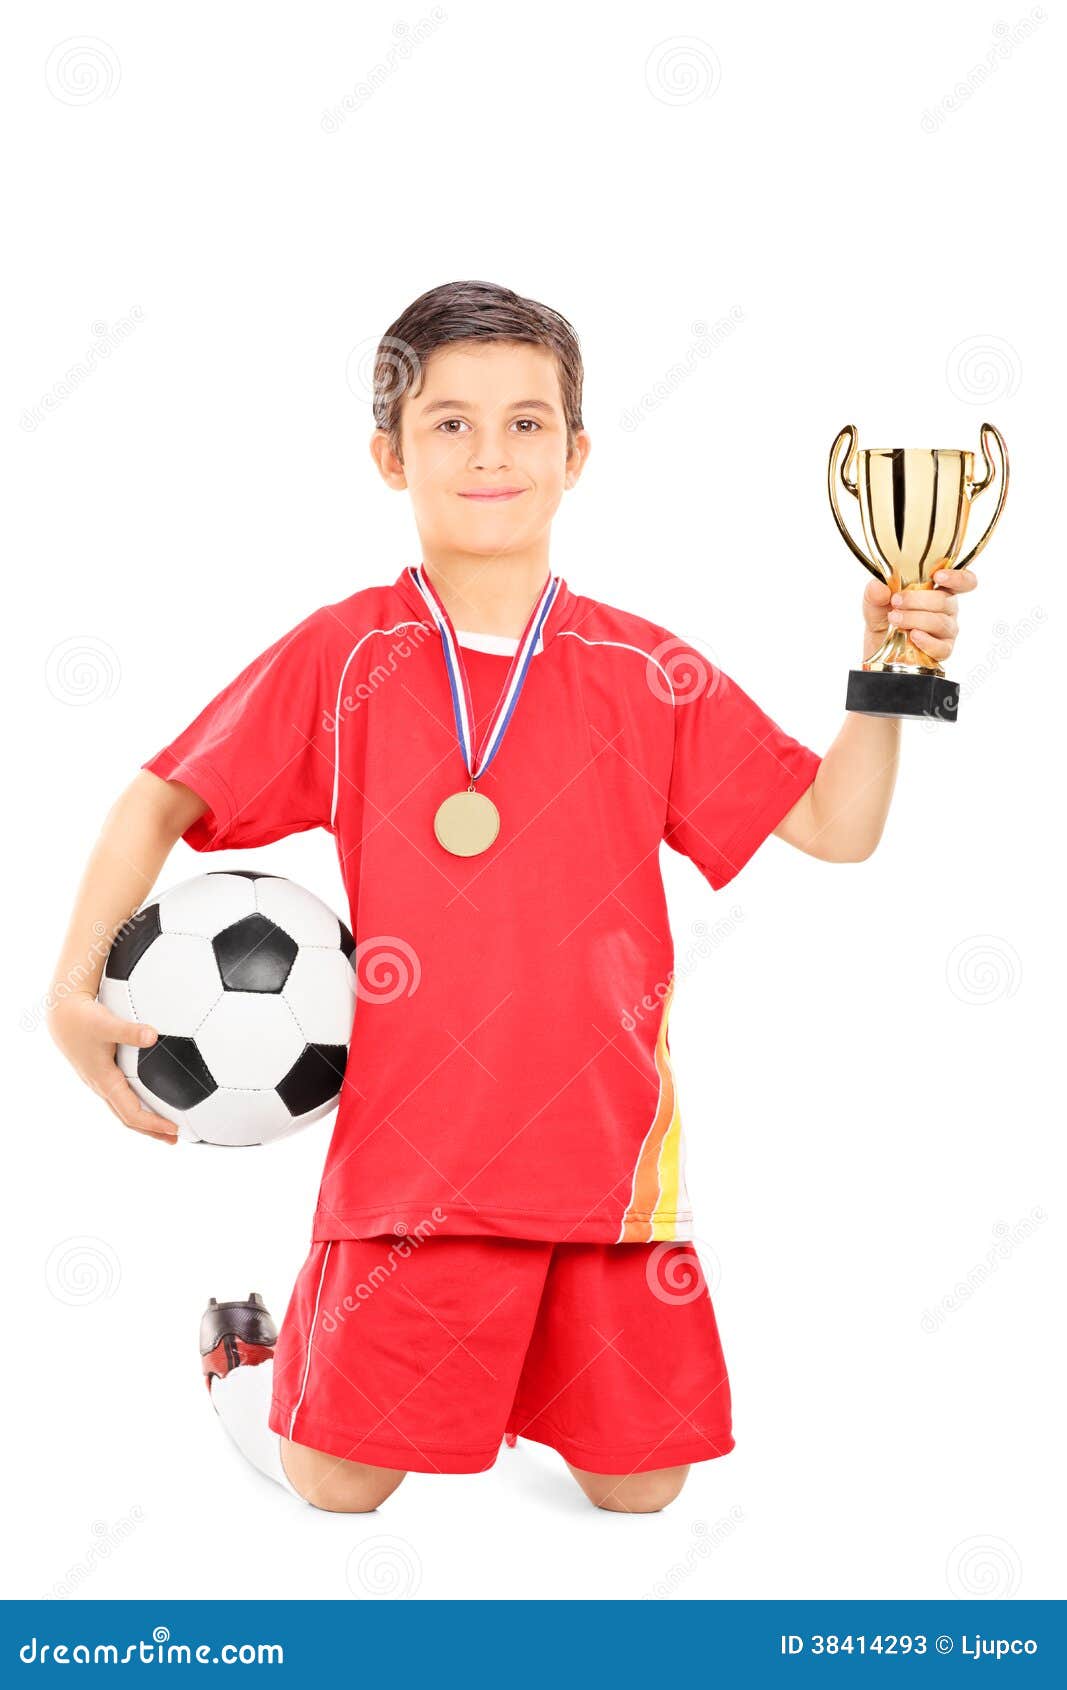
(390, 465)
(576, 457)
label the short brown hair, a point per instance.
(459, 311)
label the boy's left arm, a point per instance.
(841, 815)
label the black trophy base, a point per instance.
(876, 692)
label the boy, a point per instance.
(498, 759)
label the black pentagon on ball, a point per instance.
(314, 1078)
(254, 955)
(348, 944)
(176, 1072)
(247, 873)
(131, 941)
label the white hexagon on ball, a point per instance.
(207, 904)
(238, 1118)
(250, 1040)
(321, 993)
(298, 912)
(175, 983)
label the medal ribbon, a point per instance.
(459, 686)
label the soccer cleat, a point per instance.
(235, 1335)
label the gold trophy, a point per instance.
(914, 506)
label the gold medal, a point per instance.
(466, 823)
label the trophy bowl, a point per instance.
(914, 504)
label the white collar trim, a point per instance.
(500, 645)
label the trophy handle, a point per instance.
(849, 433)
(985, 432)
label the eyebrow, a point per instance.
(465, 405)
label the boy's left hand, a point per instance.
(927, 614)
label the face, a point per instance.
(484, 449)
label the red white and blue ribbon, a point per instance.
(477, 760)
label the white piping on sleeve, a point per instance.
(337, 712)
(569, 633)
(564, 633)
(311, 1337)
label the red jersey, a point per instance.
(509, 1071)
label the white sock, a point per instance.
(242, 1401)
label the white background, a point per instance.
(869, 1060)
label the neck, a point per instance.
(488, 595)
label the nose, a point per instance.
(489, 450)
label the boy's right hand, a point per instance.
(87, 1033)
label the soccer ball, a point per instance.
(249, 981)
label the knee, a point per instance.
(336, 1486)
(346, 1495)
(640, 1493)
(632, 1493)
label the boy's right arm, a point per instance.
(135, 841)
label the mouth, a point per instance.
(494, 495)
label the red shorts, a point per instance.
(421, 1355)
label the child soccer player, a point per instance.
(498, 759)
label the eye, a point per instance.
(447, 427)
(534, 424)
